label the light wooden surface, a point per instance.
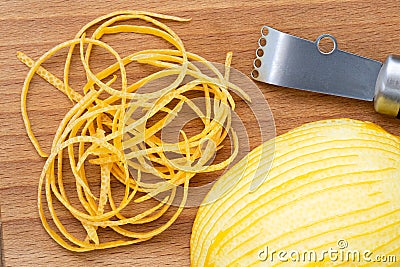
(217, 27)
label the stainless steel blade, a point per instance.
(290, 61)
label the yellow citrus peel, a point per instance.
(100, 131)
(333, 186)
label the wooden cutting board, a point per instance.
(217, 27)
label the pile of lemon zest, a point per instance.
(94, 132)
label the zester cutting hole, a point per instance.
(255, 74)
(262, 42)
(264, 31)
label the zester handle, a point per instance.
(387, 88)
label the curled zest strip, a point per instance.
(101, 132)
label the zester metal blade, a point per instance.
(290, 61)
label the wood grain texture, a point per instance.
(360, 26)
